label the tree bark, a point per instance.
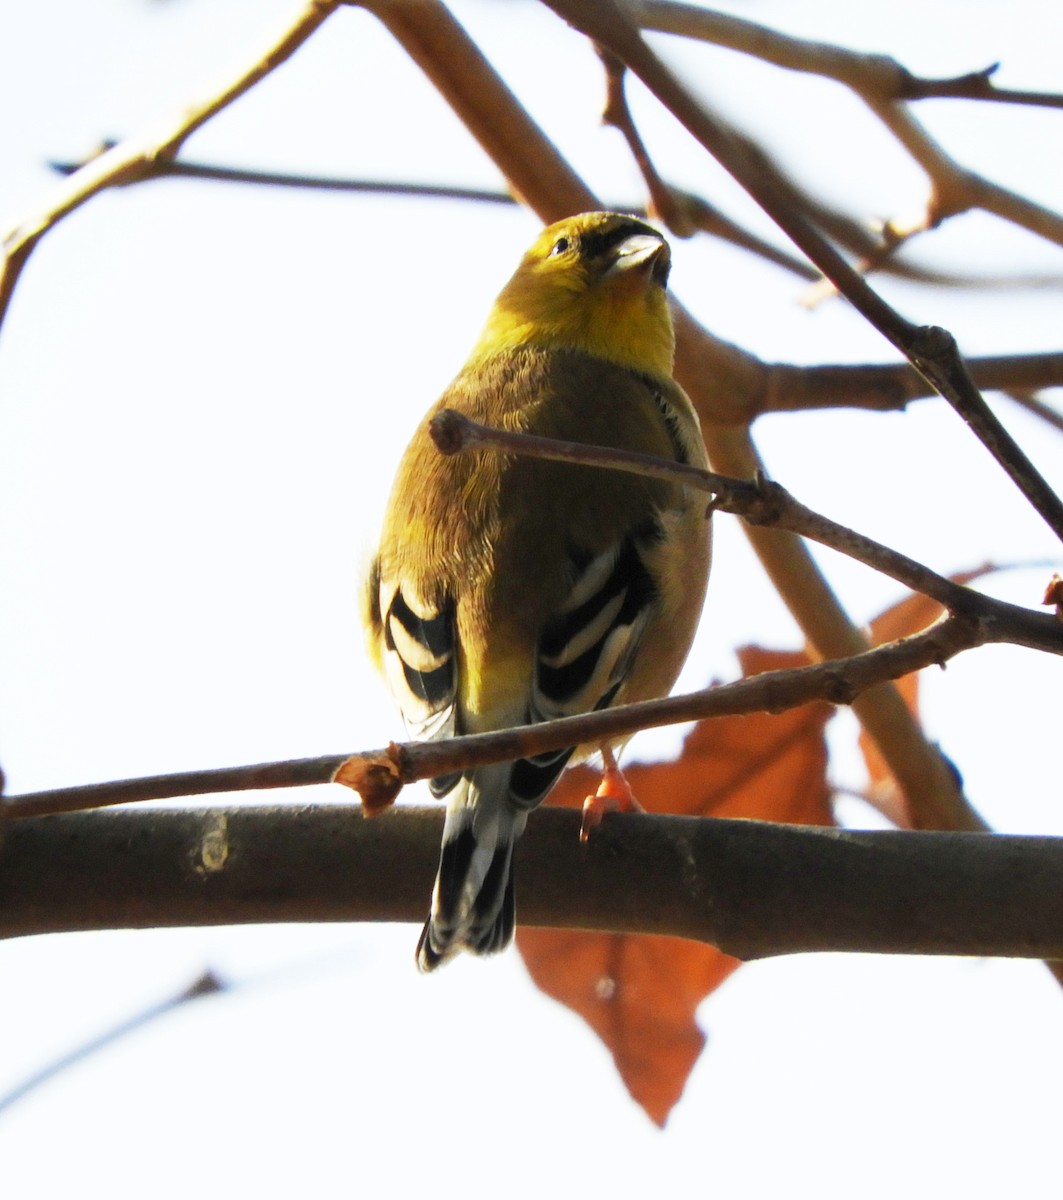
(751, 888)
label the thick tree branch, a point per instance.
(533, 168)
(885, 386)
(753, 889)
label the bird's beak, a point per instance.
(642, 253)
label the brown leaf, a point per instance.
(1054, 594)
(911, 615)
(640, 993)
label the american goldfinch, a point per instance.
(510, 590)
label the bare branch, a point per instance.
(533, 168)
(379, 774)
(935, 355)
(760, 502)
(882, 83)
(712, 880)
(207, 984)
(683, 213)
(840, 681)
(133, 158)
(300, 772)
(887, 386)
(977, 85)
(931, 351)
(955, 189)
(183, 169)
(1038, 407)
(680, 212)
(867, 74)
(933, 795)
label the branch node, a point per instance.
(840, 690)
(377, 776)
(769, 500)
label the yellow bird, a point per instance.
(510, 590)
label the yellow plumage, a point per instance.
(509, 589)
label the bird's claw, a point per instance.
(614, 795)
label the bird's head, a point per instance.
(594, 283)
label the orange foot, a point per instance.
(614, 795)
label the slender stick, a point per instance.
(932, 351)
(761, 502)
(133, 158)
(379, 775)
(299, 772)
(866, 74)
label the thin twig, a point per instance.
(933, 352)
(976, 85)
(690, 212)
(134, 157)
(760, 502)
(871, 74)
(935, 355)
(680, 213)
(933, 794)
(955, 189)
(183, 169)
(1047, 412)
(882, 83)
(683, 213)
(207, 984)
(299, 772)
(378, 775)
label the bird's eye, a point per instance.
(560, 246)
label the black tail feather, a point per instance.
(482, 923)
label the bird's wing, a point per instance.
(585, 649)
(419, 659)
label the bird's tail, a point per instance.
(472, 905)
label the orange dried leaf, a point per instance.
(639, 993)
(910, 616)
(1054, 594)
